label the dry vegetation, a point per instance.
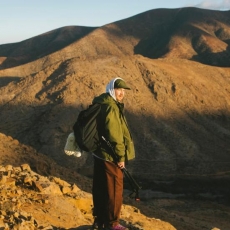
(177, 63)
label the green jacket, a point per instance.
(113, 126)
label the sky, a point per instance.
(24, 19)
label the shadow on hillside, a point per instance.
(164, 35)
(6, 80)
(37, 47)
(157, 45)
(220, 59)
(167, 150)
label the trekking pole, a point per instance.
(132, 182)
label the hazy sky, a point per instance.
(23, 19)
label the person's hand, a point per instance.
(121, 165)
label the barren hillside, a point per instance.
(177, 64)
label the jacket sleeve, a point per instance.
(114, 132)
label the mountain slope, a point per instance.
(181, 106)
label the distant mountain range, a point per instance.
(187, 33)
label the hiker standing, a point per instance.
(108, 176)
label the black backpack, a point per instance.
(85, 128)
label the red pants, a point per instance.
(107, 192)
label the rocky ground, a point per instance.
(31, 201)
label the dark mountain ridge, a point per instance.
(42, 45)
(188, 33)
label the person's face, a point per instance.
(119, 94)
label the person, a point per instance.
(107, 187)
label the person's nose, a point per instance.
(123, 92)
